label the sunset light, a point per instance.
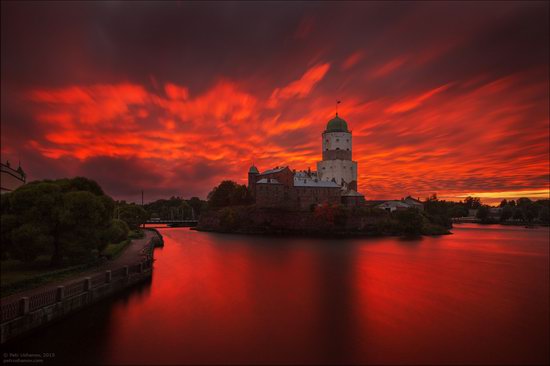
(275, 182)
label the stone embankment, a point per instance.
(24, 312)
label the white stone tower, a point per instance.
(337, 165)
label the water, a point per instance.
(478, 296)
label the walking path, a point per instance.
(131, 255)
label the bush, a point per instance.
(117, 232)
(136, 234)
(114, 250)
(29, 241)
(134, 215)
(62, 218)
(410, 221)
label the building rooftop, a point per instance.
(300, 181)
(276, 170)
(337, 124)
(268, 181)
(395, 204)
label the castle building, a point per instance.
(10, 178)
(334, 182)
(337, 165)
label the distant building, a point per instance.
(495, 213)
(395, 205)
(412, 202)
(334, 182)
(11, 179)
(392, 206)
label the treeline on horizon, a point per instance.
(437, 213)
(72, 221)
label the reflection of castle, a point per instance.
(11, 178)
(335, 180)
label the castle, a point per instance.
(334, 182)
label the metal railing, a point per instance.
(42, 299)
(75, 288)
(50, 296)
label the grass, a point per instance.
(136, 234)
(18, 276)
(112, 251)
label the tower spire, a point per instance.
(337, 102)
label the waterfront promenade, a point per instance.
(135, 252)
(27, 310)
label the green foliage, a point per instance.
(114, 250)
(544, 214)
(134, 215)
(65, 218)
(525, 210)
(228, 193)
(229, 219)
(458, 210)
(197, 205)
(136, 234)
(29, 241)
(472, 203)
(506, 213)
(483, 213)
(410, 221)
(174, 208)
(117, 232)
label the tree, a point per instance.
(503, 203)
(518, 214)
(410, 221)
(507, 213)
(61, 218)
(472, 203)
(117, 232)
(483, 213)
(458, 210)
(228, 193)
(544, 214)
(30, 241)
(197, 205)
(134, 215)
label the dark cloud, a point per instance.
(258, 82)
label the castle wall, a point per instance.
(342, 171)
(337, 141)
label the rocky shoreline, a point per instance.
(249, 220)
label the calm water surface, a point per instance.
(478, 296)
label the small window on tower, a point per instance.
(337, 148)
(327, 140)
(337, 140)
(347, 140)
(347, 149)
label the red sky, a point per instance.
(446, 98)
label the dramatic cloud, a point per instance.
(172, 98)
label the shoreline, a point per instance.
(319, 235)
(26, 311)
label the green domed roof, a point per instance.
(253, 169)
(337, 124)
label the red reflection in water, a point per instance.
(478, 296)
